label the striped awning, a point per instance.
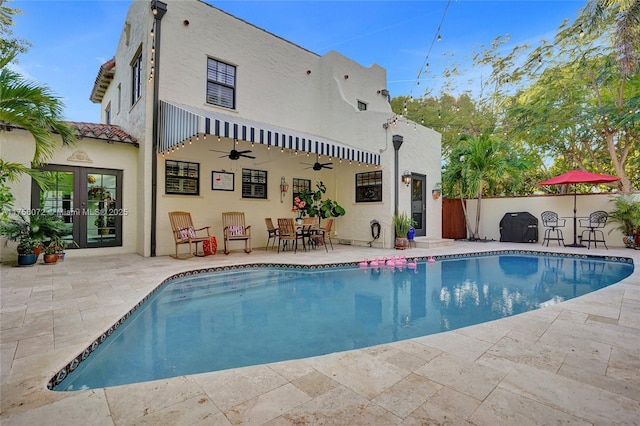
(178, 123)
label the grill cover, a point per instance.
(521, 227)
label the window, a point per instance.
(369, 187)
(221, 84)
(107, 114)
(254, 183)
(89, 200)
(182, 177)
(136, 78)
(362, 106)
(300, 185)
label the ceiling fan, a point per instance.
(235, 154)
(317, 166)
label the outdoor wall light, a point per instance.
(406, 177)
(284, 187)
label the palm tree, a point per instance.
(480, 164)
(34, 108)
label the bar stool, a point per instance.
(596, 222)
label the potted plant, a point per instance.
(311, 203)
(402, 223)
(51, 252)
(27, 247)
(627, 215)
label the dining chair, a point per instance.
(326, 231)
(553, 224)
(287, 232)
(272, 232)
(594, 224)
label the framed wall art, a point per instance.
(222, 181)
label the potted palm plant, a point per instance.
(402, 223)
(627, 215)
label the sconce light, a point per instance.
(406, 177)
(284, 187)
(436, 191)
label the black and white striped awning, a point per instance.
(178, 123)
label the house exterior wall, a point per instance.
(493, 209)
(18, 146)
(279, 84)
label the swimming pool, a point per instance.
(207, 321)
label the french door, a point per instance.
(89, 200)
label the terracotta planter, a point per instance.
(402, 243)
(51, 258)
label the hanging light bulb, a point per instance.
(218, 138)
(204, 136)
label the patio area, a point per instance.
(577, 362)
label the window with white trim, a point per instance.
(182, 177)
(221, 84)
(136, 78)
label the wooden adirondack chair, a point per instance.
(185, 233)
(235, 229)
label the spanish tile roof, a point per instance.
(103, 80)
(109, 132)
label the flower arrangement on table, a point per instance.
(300, 206)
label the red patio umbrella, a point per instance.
(578, 176)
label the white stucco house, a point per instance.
(190, 83)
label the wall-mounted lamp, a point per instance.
(284, 187)
(406, 177)
(436, 191)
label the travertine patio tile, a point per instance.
(625, 365)
(292, 370)
(192, 411)
(12, 319)
(315, 384)
(463, 346)
(468, 377)
(489, 332)
(414, 348)
(405, 360)
(82, 408)
(506, 408)
(229, 388)
(536, 355)
(359, 371)
(578, 399)
(452, 401)
(630, 313)
(267, 406)
(140, 399)
(25, 332)
(407, 395)
(611, 384)
(340, 406)
(34, 345)
(429, 414)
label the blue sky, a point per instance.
(71, 39)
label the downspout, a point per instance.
(397, 143)
(158, 9)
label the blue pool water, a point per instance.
(220, 320)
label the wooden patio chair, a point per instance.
(326, 232)
(288, 232)
(235, 229)
(185, 233)
(272, 232)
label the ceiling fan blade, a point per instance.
(244, 152)
(325, 166)
(216, 150)
(245, 155)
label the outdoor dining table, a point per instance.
(575, 230)
(307, 231)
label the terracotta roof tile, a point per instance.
(103, 80)
(108, 132)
